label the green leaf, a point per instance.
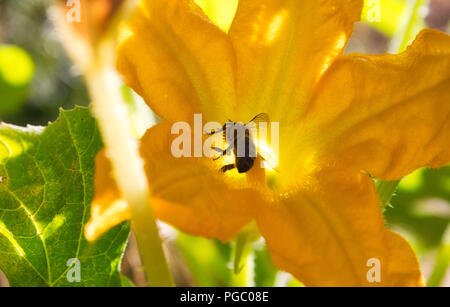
(126, 282)
(46, 186)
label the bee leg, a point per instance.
(222, 152)
(218, 149)
(227, 167)
(224, 127)
(213, 131)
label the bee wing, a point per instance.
(269, 158)
(252, 125)
(260, 118)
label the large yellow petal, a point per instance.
(178, 60)
(329, 230)
(189, 193)
(387, 114)
(283, 47)
(194, 195)
(108, 209)
(220, 12)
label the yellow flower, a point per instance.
(341, 118)
(84, 25)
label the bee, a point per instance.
(239, 138)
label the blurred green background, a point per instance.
(48, 79)
(37, 78)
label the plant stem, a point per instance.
(243, 262)
(244, 256)
(442, 261)
(122, 148)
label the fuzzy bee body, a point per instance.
(244, 163)
(240, 138)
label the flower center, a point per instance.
(244, 152)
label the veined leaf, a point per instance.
(46, 186)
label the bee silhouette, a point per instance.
(239, 136)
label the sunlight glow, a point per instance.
(55, 224)
(338, 46)
(275, 26)
(270, 162)
(10, 237)
(124, 34)
(220, 12)
(10, 146)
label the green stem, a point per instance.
(240, 251)
(128, 166)
(243, 262)
(442, 261)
